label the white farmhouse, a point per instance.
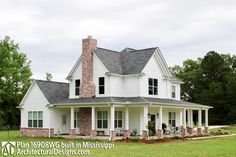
(110, 94)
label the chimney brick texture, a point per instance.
(87, 87)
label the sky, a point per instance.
(50, 31)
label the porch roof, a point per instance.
(128, 101)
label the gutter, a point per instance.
(120, 75)
(136, 103)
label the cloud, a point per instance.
(50, 32)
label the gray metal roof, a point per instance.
(54, 91)
(128, 61)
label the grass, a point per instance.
(230, 129)
(215, 147)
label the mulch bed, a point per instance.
(171, 139)
(153, 141)
(210, 134)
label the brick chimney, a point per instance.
(87, 87)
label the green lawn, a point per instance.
(216, 147)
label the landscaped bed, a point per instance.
(213, 133)
(151, 141)
(213, 147)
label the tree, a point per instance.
(15, 76)
(189, 74)
(48, 76)
(211, 80)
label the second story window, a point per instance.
(77, 85)
(152, 86)
(172, 91)
(101, 83)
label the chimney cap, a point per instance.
(90, 37)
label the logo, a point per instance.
(8, 148)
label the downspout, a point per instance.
(49, 129)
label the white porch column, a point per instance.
(206, 118)
(199, 118)
(112, 118)
(93, 118)
(126, 118)
(189, 118)
(72, 118)
(145, 117)
(184, 118)
(160, 119)
(157, 120)
(180, 118)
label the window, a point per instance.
(153, 86)
(102, 119)
(77, 85)
(172, 91)
(118, 119)
(35, 119)
(30, 119)
(101, 83)
(76, 119)
(172, 119)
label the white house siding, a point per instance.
(99, 70)
(56, 119)
(35, 101)
(152, 70)
(131, 86)
(127, 86)
(177, 90)
(116, 86)
(76, 75)
(134, 119)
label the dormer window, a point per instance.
(77, 85)
(172, 91)
(101, 83)
(152, 86)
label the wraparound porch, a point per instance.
(118, 120)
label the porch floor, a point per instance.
(137, 137)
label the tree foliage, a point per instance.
(15, 76)
(211, 80)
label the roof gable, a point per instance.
(128, 61)
(111, 60)
(53, 91)
(133, 62)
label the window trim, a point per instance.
(153, 86)
(173, 91)
(77, 87)
(32, 119)
(101, 85)
(117, 119)
(102, 119)
(76, 119)
(170, 120)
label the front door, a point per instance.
(152, 125)
(64, 129)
